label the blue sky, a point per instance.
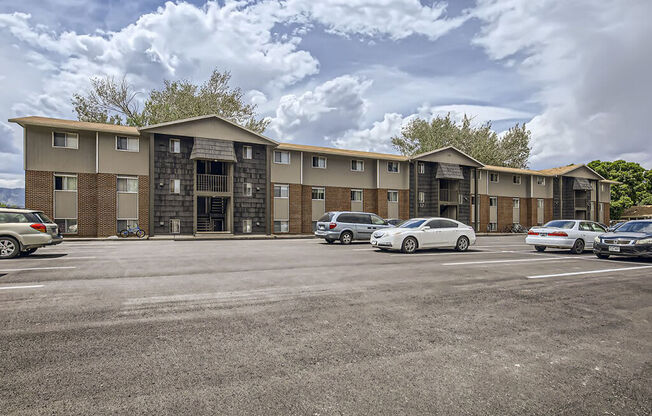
(351, 73)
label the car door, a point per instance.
(378, 223)
(363, 226)
(450, 232)
(428, 234)
(586, 233)
(598, 229)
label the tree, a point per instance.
(481, 143)
(635, 187)
(115, 102)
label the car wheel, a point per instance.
(602, 256)
(540, 249)
(578, 247)
(462, 244)
(346, 237)
(409, 245)
(9, 248)
(27, 252)
(329, 241)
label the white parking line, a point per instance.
(37, 268)
(620, 269)
(20, 287)
(463, 263)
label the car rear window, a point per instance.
(636, 227)
(15, 217)
(560, 224)
(43, 218)
(326, 217)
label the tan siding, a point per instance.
(338, 172)
(281, 209)
(290, 173)
(389, 180)
(210, 128)
(40, 155)
(122, 162)
(506, 186)
(127, 205)
(65, 204)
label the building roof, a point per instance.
(611, 182)
(58, 123)
(341, 152)
(432, 152)
(638, 211)
(515, 170)
(563, 170)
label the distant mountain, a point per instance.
(13, 196)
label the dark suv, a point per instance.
(348, 226)
(632, 239)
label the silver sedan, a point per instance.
(575, 235)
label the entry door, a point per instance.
(493, 209)
(540, 211)
(516, 211)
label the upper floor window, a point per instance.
(281, 157)
(541, 180)
(247, 152)
(65, 140)
(356, 195)
(127, 184)
(602, 187)
(493, 177)
(248, 189)
(65, 182)
(128, 144)
(493, 201)
(517, 179)
(175, 186)
(422, 197)
(517, 202)
(392, 167)
(281, 191)
(357, 165)
(175, 146)
(318, 194)
(319, 162)
(422, 168)
(392, 196)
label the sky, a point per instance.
(352, 73)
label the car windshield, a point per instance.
(560, 224)
(412, 223)
(636, 227)
(326, 218)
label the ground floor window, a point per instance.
(281, 227)
(517, 202)
(392, 196)
(281, 191)
(318, 194)
(175, 226)
(126, 224)
(493, 226)
(356, 195)
(493, 201)
(246, 226)
(66, 226)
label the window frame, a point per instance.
(129, 140)
(392, 163)
(540, 203)
(493, 198)
(421, 200)
(172, 227)
(66, 134)
(282, 186)
(516, 203)
(543, 180)
(287, 226)
(247, 226)
(356, 161)
(173, 186)
(66, 225)
(248, 189)
(65, 175)
(392, 192)
(280, 152)
(421, 168)
(494, 174)
(516, 179)
(247, 152)
(357, 191)
(171, 147)
(318, 158)
(127, 178)
(318, 189)
(493, 226)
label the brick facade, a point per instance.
(381, 203)
(306, 209)
(338, 199)
(106, 204)
(403, 204)
(370, 200)
(296, 209)
(39, 191)
(87, 216)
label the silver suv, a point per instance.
(22, 231)
(348, 226)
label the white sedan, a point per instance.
(575, 235)
(421, 233)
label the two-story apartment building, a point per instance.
(209, 175)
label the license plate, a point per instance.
(543, 235)
(321, 227)
(373, 243)
(614, 249)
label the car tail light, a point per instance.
(40, 227)
(558, 234)
(332, 225)
(532, 233)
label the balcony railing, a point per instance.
(212, 183)
(448, 195)
(580, 203)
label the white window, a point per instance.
(247, 152)
(319, 162)
(472, 199)
(493, 226)
(126, 224)
(281, 227)
(540, 203)
(65, 140)
(246, 226)
(422, 197)
(66, 225)
(517, 179)
(281, 191)
(422, 168)
(318, 194)
(281, 157)
(248, 189)
(493, 177)
(541, 180)
(517, 202)
(65, 182)
(493, 201)
(392, 167)
(175, 186)
(127, 144)
(392, 196)
(175, 226)
(356, 195)
(128, 185)
(357, 165)
(175, 146)
(602, 187)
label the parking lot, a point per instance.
(302, 327)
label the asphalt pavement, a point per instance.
(299, 327)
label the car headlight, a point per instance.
(596, 239)
(644, 241)
(379, 234)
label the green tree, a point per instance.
(481, 143)
(116, 102)
(635, 187)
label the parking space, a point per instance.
(304, 327)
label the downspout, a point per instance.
(476, 207)
(152, 184)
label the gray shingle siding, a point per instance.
(253, 171)
(212, 149)
(464, 209)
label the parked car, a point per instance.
(395, 221)
(615, 226)
(348, 226)
(22, 231)
(420, 233)
(632, 239)
(575, 235)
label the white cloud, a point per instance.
(590, 61)
(326, 112)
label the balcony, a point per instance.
(212, 183)
(449, 196)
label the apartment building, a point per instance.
(209, 175)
